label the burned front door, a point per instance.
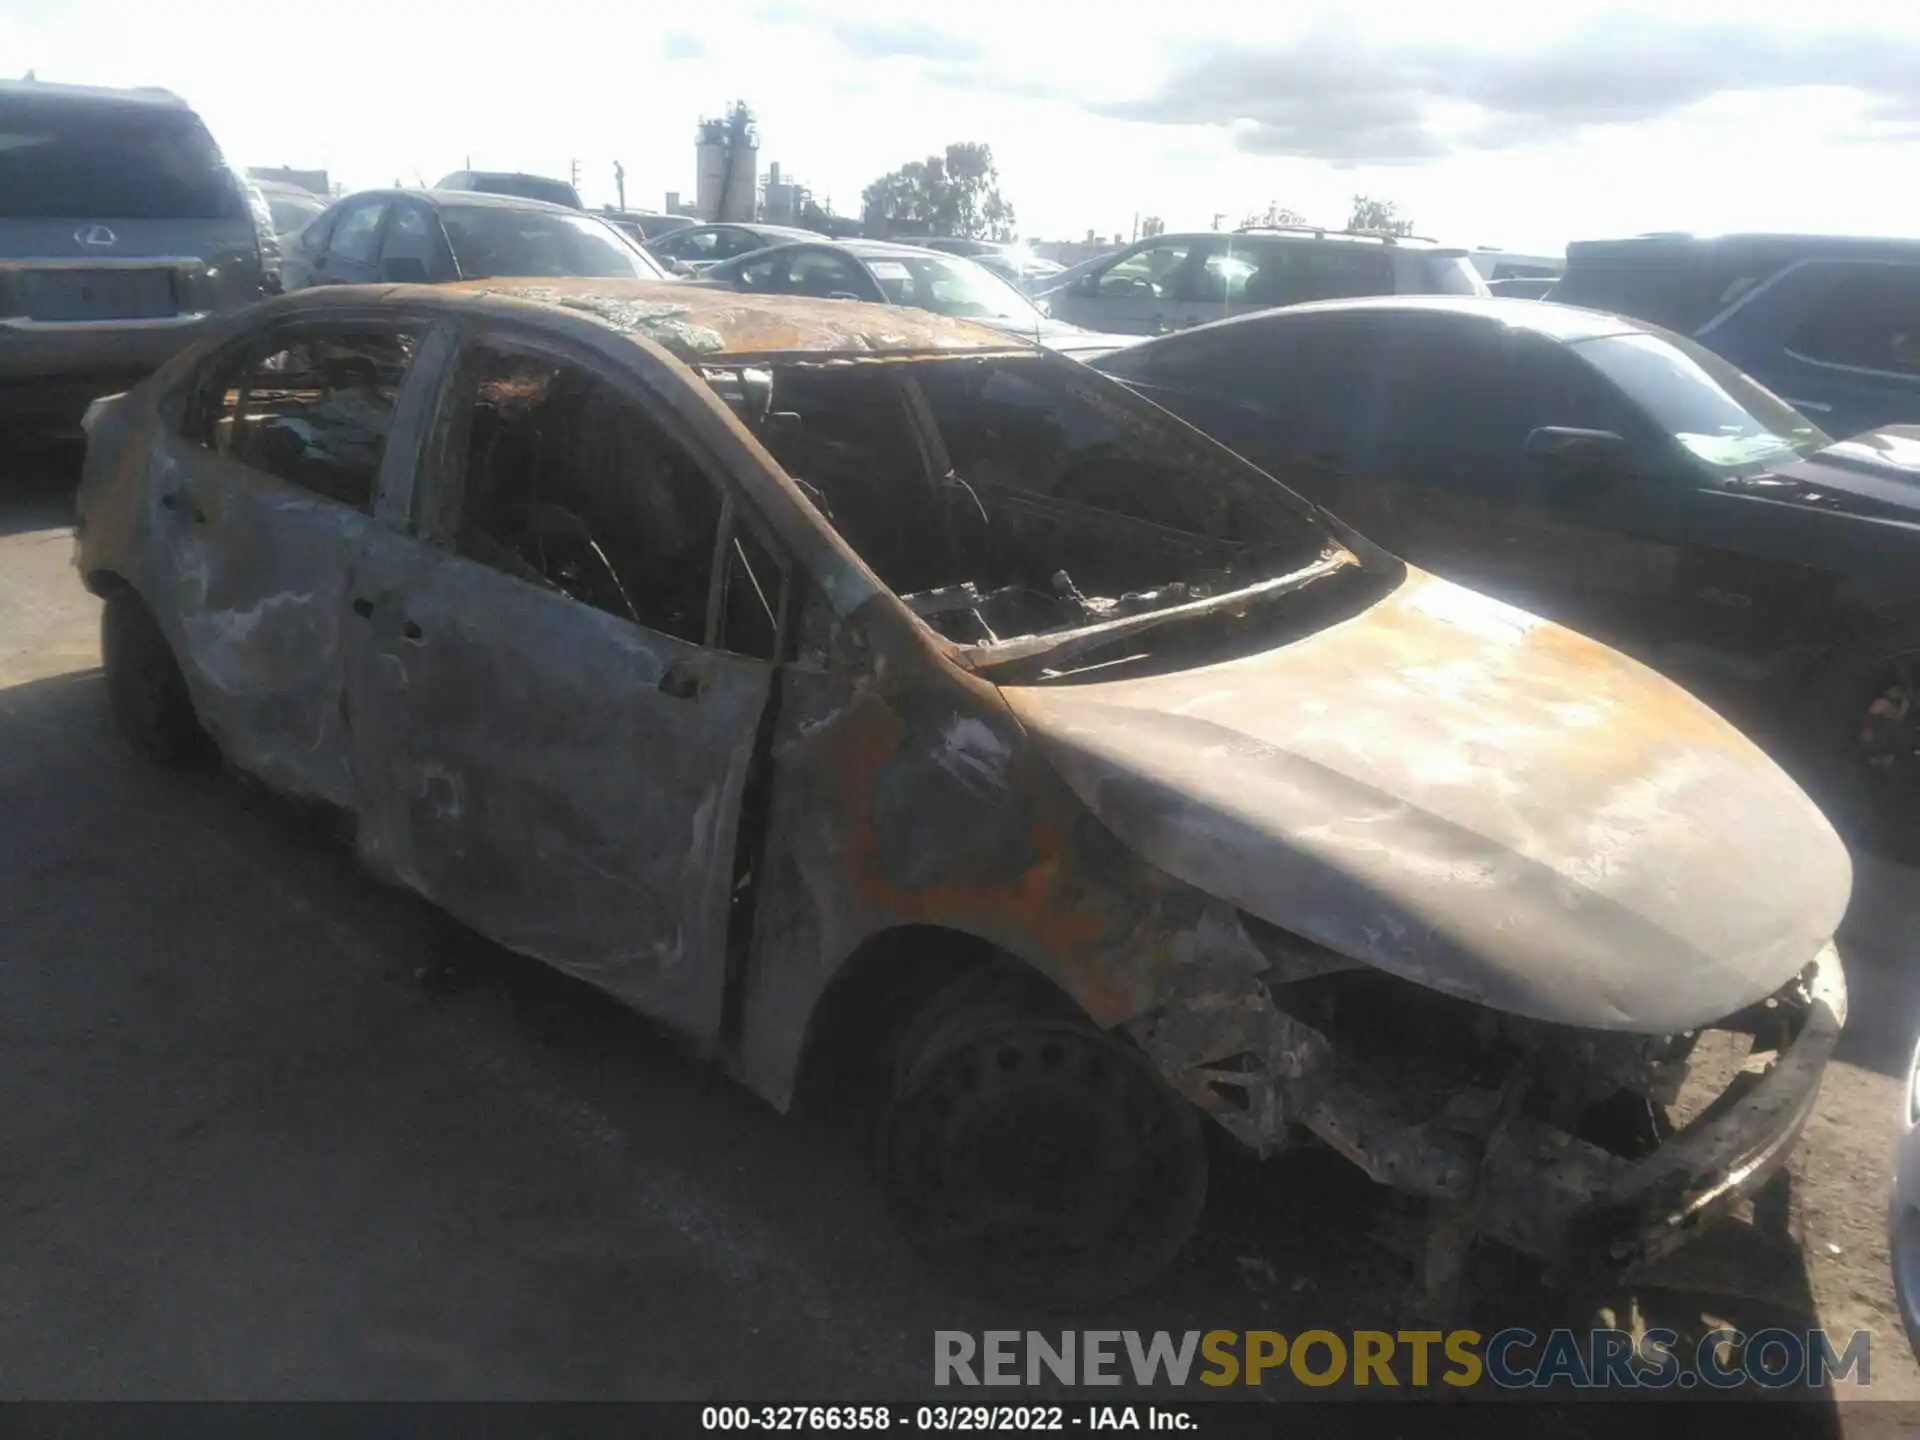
(558, 753)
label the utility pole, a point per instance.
(1218, 216)
(1136, 226)
(573, 172)
(620, 184)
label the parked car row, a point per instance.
(1170, 282)
(888, 274)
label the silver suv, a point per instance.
(121, 228)
(1169, 282)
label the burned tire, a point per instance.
(144, 685)
(1038, 1160)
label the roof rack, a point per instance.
(1320, 232)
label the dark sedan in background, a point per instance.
(435, 236)
(699, 247)
(1611, 475)
(513, 182)
(889, 274)
(1012, 262)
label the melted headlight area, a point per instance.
(1559, 1142)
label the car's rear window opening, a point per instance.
(1018, 496)
(61, 160)
(490, 241)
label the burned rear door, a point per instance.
(262, 507)
(548, 695)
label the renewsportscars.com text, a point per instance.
(1511, 1359)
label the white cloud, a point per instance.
(1503, 128)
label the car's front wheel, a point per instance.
(1038, 1159)
(144, 684)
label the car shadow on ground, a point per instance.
(606, 1180)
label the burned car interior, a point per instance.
(1004, 498)
(568, 484)
(315, 412)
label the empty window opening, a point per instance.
(571, 485)
(1017, 496)
(315, 413)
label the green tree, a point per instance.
(1380, 217)
(953, 194)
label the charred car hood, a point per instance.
(1471, 798)
(1875, 475)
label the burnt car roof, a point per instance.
(699, 324)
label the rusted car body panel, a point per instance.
(1431, 792)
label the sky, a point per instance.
(1487, 124)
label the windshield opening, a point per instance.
(490, 243)
(1717, 414)
(951, 287)
(60, 160)
(1010, 501)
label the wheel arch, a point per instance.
(873, 994)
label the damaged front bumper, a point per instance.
(1592, 1208)
(1522, 1179)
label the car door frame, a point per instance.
(449, 264)
(1194, 308)
(322, 270)
(696, 1001)
(1080, 302)
(666, 246)
(876, 293)
(196, 486)
(1604, 561)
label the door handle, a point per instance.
(363, 607)
(412, 631)
(681, 681)
(170, 500)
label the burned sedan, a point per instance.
(877, 700)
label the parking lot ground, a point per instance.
(273, 1130)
